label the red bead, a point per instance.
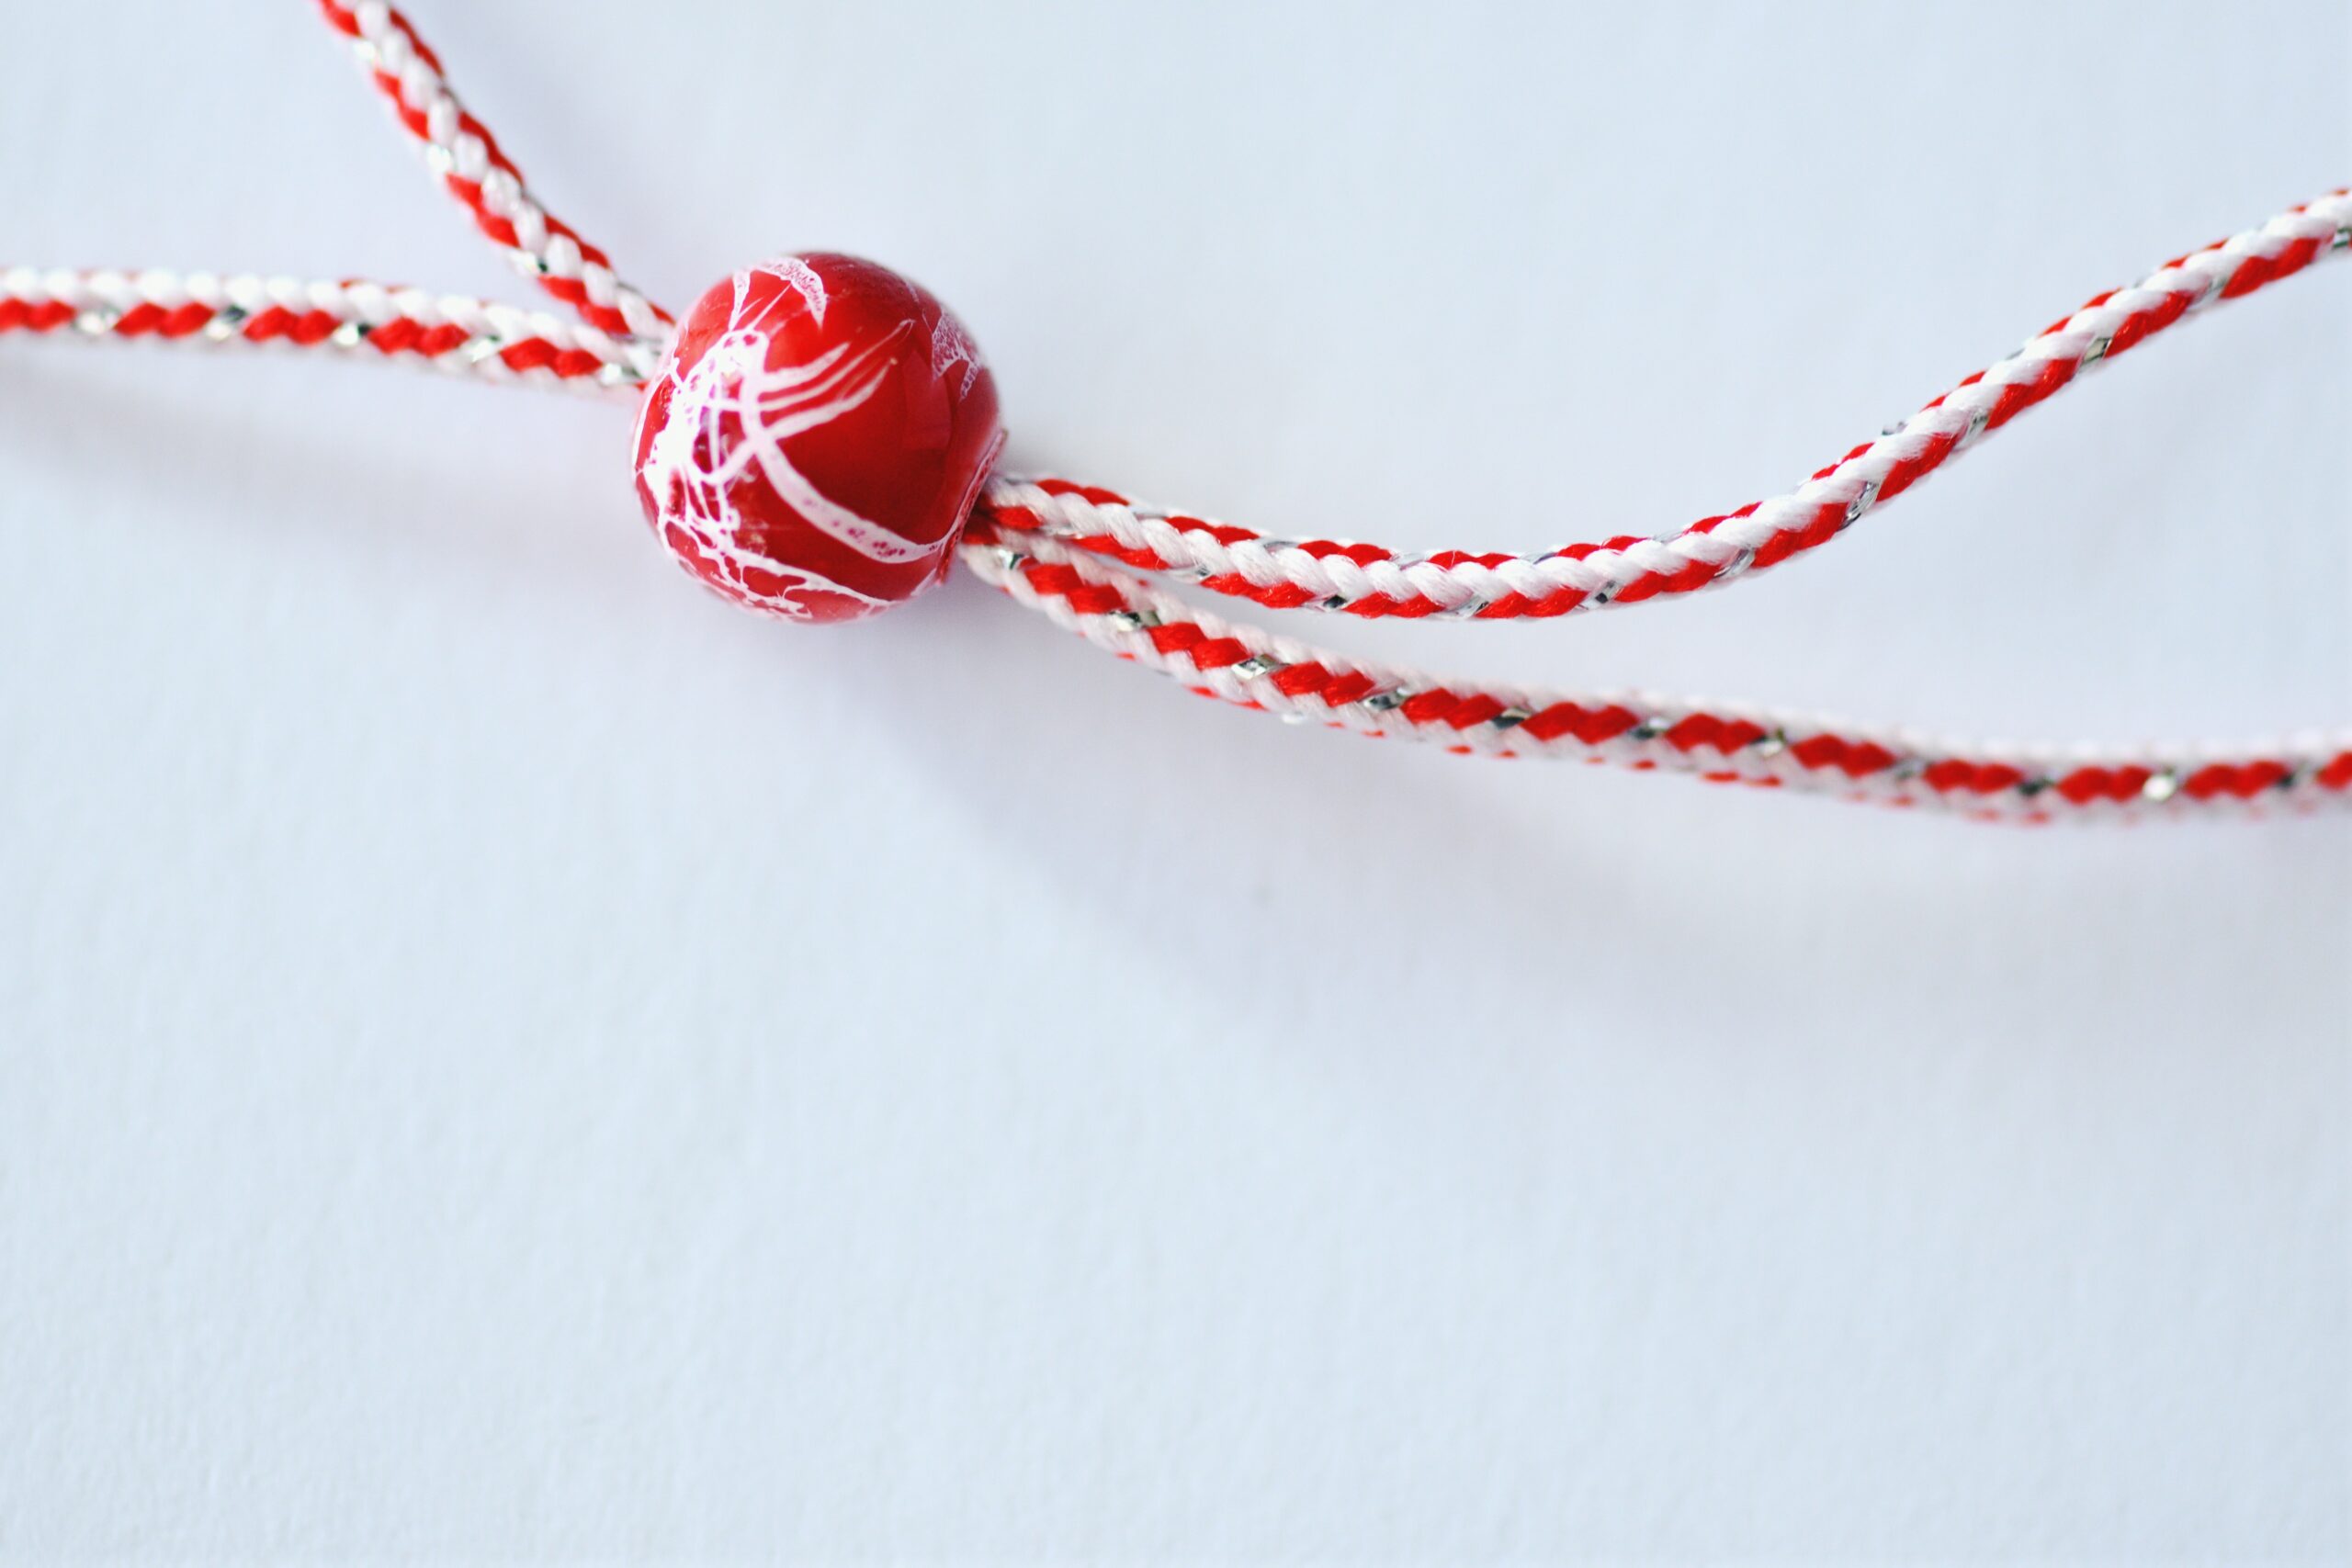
(816, 438)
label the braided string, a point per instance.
(1049, 544)
(1723, 743)
(471, 163)
(448, 331)
(1371, 581)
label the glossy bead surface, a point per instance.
(816, 438)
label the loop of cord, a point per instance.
(1051, 544)
(471, 163)
(448, 331)
(1371, 581)
(1723, 743)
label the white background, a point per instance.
(502, 1055)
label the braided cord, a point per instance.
(1723, 743)
(617, 347)
(1371, 581)
(461, 149)
(1051, 544)
(462, 337)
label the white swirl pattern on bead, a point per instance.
(692, 461)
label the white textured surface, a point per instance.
(501, 1056)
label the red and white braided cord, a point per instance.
(1724, 743)
(468, 158)
(1050, 545)
(1372, 581)
(463, 336)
